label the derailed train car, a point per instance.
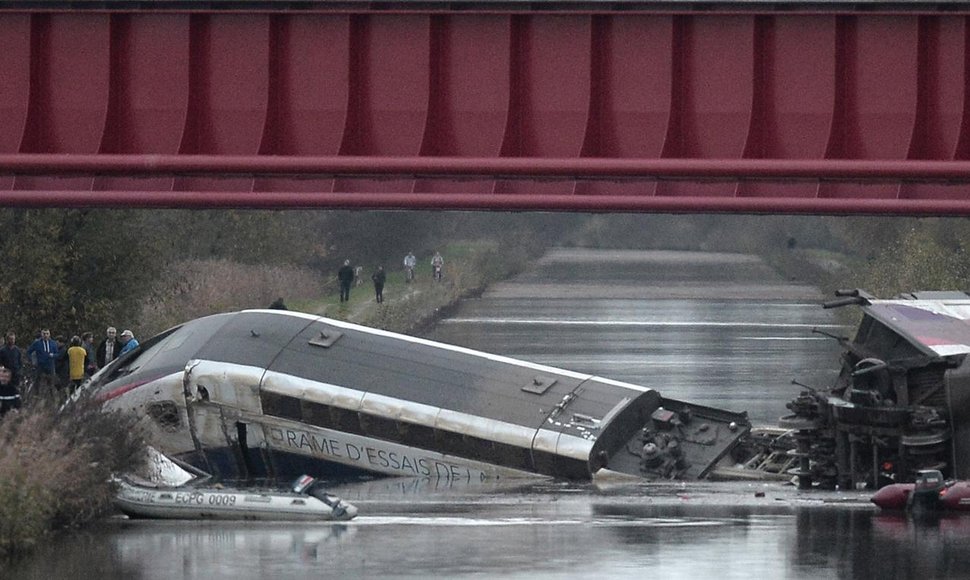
(901, 402)
(275, 394)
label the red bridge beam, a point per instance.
(525, 168)
(735, 108)
(471, 201)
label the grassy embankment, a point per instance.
(410, 307)
(55, 468)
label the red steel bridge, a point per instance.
(612, 106)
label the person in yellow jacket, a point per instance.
(75, 358)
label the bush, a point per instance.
(56, 465)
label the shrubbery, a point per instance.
(56, 465)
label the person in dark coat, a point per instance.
(345, 275)
(9, 394)
(379, 277)
(11, 358)
(61, 366)
(109, 348)
(44, 353)
(91, 353)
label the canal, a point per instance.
(709, 328)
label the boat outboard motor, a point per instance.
(310, 486)
(926, 493)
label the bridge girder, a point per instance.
(807, 111)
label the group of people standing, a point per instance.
(56, 363)
(348, 275)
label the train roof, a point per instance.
(373, 361)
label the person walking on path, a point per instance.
(379, 277)
(409, 263)
(345, 275)
(437, 265)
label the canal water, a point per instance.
(716, 329)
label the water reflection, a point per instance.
(865, 545)
(420, 528)
(126, 549)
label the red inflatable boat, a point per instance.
(930, 491)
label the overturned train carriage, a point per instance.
(274, 394)
(901, 402)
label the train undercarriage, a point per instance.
(900, 402)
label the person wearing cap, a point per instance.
(9, 395)
(128, 342)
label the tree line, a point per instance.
(85, 269)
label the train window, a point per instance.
(380, 427)
(448, 442)
(280, 405)
(511, 456)
(316, 414)
(417, 435)
(559, 466)
(481, 449)
(345, 420)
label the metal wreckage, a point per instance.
(901, 402)
(273, 394)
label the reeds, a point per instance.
(55, 467)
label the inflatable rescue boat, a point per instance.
(930, 492)
(307, 502)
